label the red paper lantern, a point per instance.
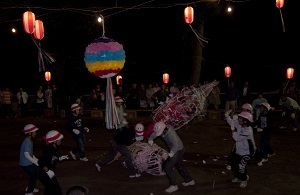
(289, 73)
(47, 76)
(28, 22)
(166, 78)
(279, 3)
(119, 80)
(39, 30)
(189, 14)
(227, 71)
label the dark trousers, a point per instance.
(24, 109)
(239, 166)
(32, 172)
(265, 148)
(177, 162)
(112, 154)
(51, 186)
(80, 142)
(40, 109)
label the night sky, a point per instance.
(250, 40)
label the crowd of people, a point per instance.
(20, 103)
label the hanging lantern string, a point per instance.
(41, 59)
(282, 22)
(200, 39)
(44, 54)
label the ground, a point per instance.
(207, 144)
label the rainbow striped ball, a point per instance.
(104, 57)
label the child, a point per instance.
(119, 144)
(245, 108)
(48, 163)
(77, 129)
(176, 153)
(241, 133)
(120, 110)
(265, 123)
(28, 162)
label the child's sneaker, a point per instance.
(295, 129)
(135, 175)
(236, 180)
(228, 167)
(243, 184)
(260, 163)
(84, 159)
(264, 160)
(191, 183)
(35, 190)
(172, 189)
(269, 155)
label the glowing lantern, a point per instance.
(279, 3)
(28, 22)
(47, 76)
(189, 14)
(119, 80)
(39, 30)
(166, 78)
(227, 71)
(289, 73)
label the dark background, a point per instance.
(155, 39)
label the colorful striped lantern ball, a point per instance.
(104, 57)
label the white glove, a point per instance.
(50, 173)
(259, 129)
(125, 122)
(293, 115)
(283, 114)
(227, 113)
(35, 161)
(139, 138)
(150, 142)
(125, 114)
(86, 129)
(235, 117)
(63, 157)
(76, 131)
(171, 154)
(165, 156)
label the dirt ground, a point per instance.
(206, 140)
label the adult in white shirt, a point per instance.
(22, 97)
(290, 110)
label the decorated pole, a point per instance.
(105, 58)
